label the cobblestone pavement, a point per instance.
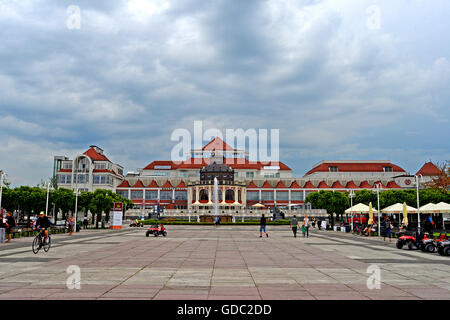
(204, 262)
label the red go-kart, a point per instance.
(430, 244)
(156, 230)
(412, 241)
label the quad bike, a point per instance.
(156, 230)
(427, 244)
(430, 245)
(443, 248)
(413, 241)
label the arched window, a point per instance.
(229, 195)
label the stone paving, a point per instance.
(204, 262)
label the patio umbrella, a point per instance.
(359, 208)
(405, 214)
(258, 205)
(398, 208)
(370, 213)
(428, 208)
(442, 207)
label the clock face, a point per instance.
(407, 182)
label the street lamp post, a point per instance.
(351, 195)
(418, 205)
(1, 187)
(378, 186)
(46, 203)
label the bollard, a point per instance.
(2, 235)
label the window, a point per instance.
(180, 195)
(184, 174)
(166, 195)
(100, 166)
(253, 195)
(272, 175)
(160, 173)
(96, 179)
(333, 169)
(282, 195)
(388, 169)
(296, 196)
(151, 195)
(136, 194)
(267, 196)
(67, 165)
(250, 174)
(122, 193)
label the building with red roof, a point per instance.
(188, 185)
(95, 171)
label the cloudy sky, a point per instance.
(340, 79)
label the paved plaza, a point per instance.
(229, 262)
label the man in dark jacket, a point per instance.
(43, 223)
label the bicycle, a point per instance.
(38, 243)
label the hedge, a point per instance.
(185, 222)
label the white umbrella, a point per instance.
(428, 208)
(359, 208)
(442, 207)
(398, 208)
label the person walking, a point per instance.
(71, 224)
(10, 223)
(85, 222)
(306, 224)
(387, 228)
(2, 227)
(262, 226)
(319, 224)
(294, 225)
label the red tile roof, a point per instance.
(266, 185)
(322, 184)
(393, 185)
(138, 184)
(351, 185)
(280, 184)
(295, 185)
(94, 155)
(355, 167)
(309, 185)
(429, 169)
(181, 185)
(195, 163)
(337, 185)
(252, 185)
(379, 182)
(167, 185)
(365, 185)
(153, 184)
(217, 144)
(124, 184)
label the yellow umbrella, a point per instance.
(370, 213)
(258, 205)
(405, 214)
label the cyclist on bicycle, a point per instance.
(43, 223)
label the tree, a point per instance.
(84, 199)
(102, 201)
(64, 200)
(333, 202)
(442, 180)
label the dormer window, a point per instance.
(333, 169)
(388, 169)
